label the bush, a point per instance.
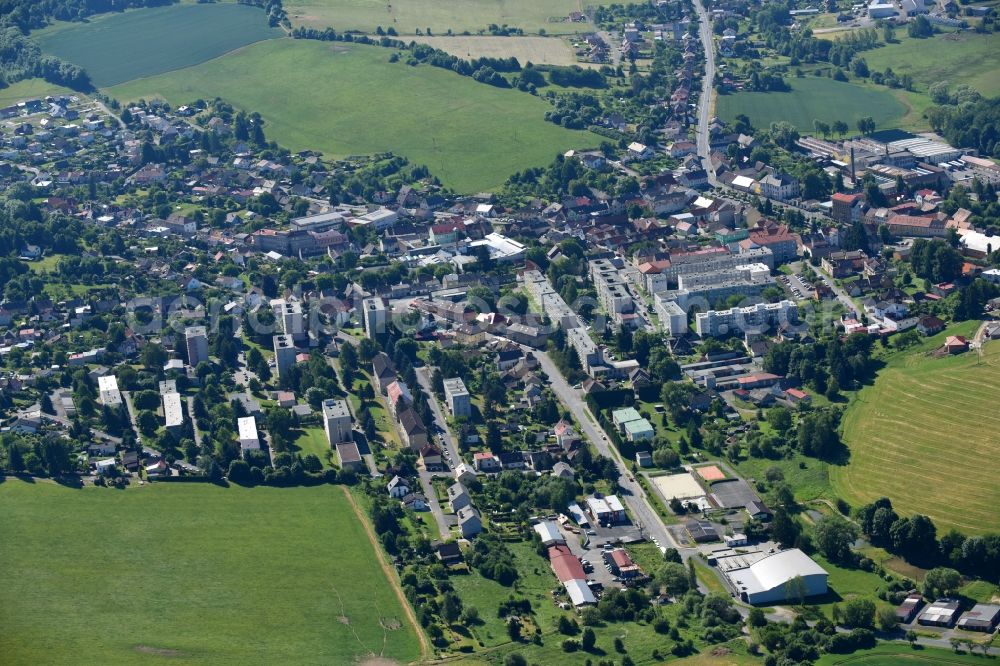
(570, 645)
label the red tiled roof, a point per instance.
(565, 564)
(622, 559)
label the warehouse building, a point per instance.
(941, 613)
(766, 580)
(982, 617)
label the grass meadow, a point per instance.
(192, 573)
(459, 16)
(813, 98)
(119, 47)
(348, 99)
(30, 89)
(534, 49)
(924, 435)
(955, 57)
(894, 654)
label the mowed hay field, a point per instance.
(964, 57)
(813, 98)
(925, 435)
(192, 573)
(119, 47)
(406, 16)
(537, 50)
(348, 99)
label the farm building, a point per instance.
(549, 533)
(621, 563)
(941, 613)
(908, 610)
(766, 580)
(607, 510)
(759, 511)
(982, 617)
(701, 531)
(569, 571)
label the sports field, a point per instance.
(119, 47)
(192, 573)
(964, 57)
(813, 98)
(924, 435)
(348, 99)
(537, 50)
(459, 16)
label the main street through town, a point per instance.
(632, 494)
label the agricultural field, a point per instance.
(193, 573)
(407, 16)
(954, 57)
(537, 50)
(922, 434)
(348, 99)
(813, 98)
(119, 47)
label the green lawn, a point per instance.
(119, 47)
(313, 440)
(924, 436)
(888, 654)
(813, 98)
(953, 57)
(346, 99)
(30, 89)
(406, 16)
(192, 572)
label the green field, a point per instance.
(813, 98)
(192, 573)
(119, 47)
(406, 16)
(953, 57)
(346, 99)
(924, 435)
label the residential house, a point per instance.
(469, 522)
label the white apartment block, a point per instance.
(196, 342)
(673, 318)
(757, 318)
(284, 353)
(288, 315)
(107, 387)
(337, 421)
(247, 427)
(457, 397)
(374, 316)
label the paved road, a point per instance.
(632, 493)
(194, 422)
(613, 47)
(705, 99)
(434, 504)
(446, 438)
(127, 395)
(842, 295)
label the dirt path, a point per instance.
(390, 574)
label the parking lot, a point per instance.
(797, 287)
